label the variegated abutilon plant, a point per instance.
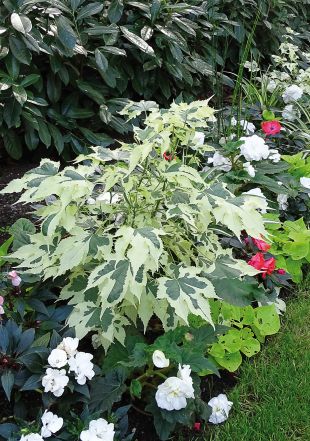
(135, 234)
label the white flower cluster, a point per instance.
(99, 430)
(66, 353)
(51, 424)
(173, 393)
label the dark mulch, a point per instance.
(9, 212)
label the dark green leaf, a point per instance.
(89, 10)
(115, 10)
(13, 145)
(7, 381)
(19, 50)
(65, 32)
(101, 60)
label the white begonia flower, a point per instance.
(305, 182)
(282, 200)
(99, 430)
(172, 394)
(55, 381)
(108, 197)
(31, 437)
(247, 126)
(220, 409)
(69, 345)
(51, 424)
(199, 138)
(220, 162)
(255, 199)
(57, 358)
(248, 167)
(289, 113)
(271, 86)
(292, 93)
(254, 148)
(81, 365)
(160, 360)
(274, 155)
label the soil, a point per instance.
(9, 212)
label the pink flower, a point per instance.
(281, 271)
(261, 244)
(16, 280)
(168, 157)
(271, 127)
(1, 307)
(197, 427)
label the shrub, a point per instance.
(68, 65)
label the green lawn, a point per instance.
(272, 398)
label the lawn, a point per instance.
(272, 399)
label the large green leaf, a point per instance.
(21, 23)
(65, 32)
(13, 144)
(89, 10)
(115, 10)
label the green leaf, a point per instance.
(7, 381)
(13, 144)
(57, 138)
(20, 94)
(267, 320)
(137, 41)
(108, 390)
(30, 79)
(268, 115)
(4, 248)
(32, 383)
(44, 134)
(155, 8)
(115, 10)
(21, 23)
(89, 10)
(65, 32)
(21, 230)
(101, 60)
(19, 50)
(135, 388)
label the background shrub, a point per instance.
(67, 65)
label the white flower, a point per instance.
(292, 93)
(81, 365)
(69, 345)
(99, 430)
(108, 197)
(289, 113)
(274, 155)
(172, 394)
(248, 167)
(199, 138)
(220, 162)
(160, 360)
(51, 424)
(220, 409)
(271, 86)
(305, 182)
(57, 358)
(31, 437)
(91, 201)
(55, 381)
(15, 279)
(247, 126)
(255, 199)
(252, 66)
(254, 148)
(282, 200)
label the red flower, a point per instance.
(257, 261)
(269, 266)
(167, 156)
(197, 427)
(281, 271)
(271, 127)
(266, 266)
(261, 244)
